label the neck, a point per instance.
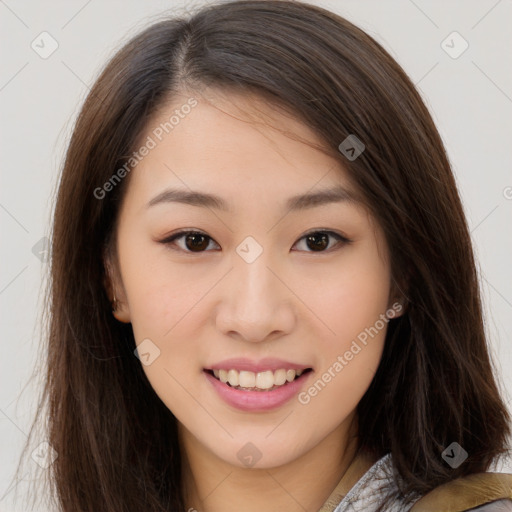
(210, 484)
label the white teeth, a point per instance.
(261, 380)
(247, 379)
(265, 380)
(223, 376)
(233, 378)
(279, 377)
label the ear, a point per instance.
(113, 285)
(396, 308)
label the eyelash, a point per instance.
(169, 240)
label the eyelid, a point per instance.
(342, 239)
(169, 239)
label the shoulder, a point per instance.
(482, 492)
(489, 492)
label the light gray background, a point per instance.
(469, 96)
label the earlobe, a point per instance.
(398, 301)
(396, 309)
(120, 309)
(120, 312)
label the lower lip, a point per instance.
(255, 401)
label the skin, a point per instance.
(292, 302)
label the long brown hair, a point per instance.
(116, 441)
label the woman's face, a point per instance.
(252, 288)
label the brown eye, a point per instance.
(197, 242)
(318, 241)
(194, 241)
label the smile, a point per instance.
(257, 381)
(251, 397)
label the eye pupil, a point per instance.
(196, 247)
(324, 242)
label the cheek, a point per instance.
(350, 354)
(351, 296)
(353, 353)
(352, 303)
(158, 292)
(341, 383)
(163, 308)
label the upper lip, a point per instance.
(242, 363)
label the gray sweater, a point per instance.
(368, 493)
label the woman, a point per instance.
(263, 198)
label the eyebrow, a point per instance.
(306, 201)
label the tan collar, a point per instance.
(466, 493)
(358, 467)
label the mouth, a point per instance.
(257, 381)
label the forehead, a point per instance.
(232, 145)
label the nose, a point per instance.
(256, 303)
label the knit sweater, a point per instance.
(380, 481)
